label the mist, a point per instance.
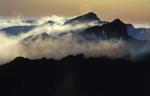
(11, 47)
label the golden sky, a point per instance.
(127, 10)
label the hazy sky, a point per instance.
(127, 10)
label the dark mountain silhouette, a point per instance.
(84, 19)
(115, 29)
(15, 30)
(74, 76)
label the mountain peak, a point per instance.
(118, 21)
(91, 15)
(115, 29)
(88, 17)
(118, 27)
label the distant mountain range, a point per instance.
(101, 30)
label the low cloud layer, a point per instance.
(59, 48)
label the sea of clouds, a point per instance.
(12, 46)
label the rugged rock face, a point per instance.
(74, 76)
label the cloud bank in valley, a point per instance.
(59, 46)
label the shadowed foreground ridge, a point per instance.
(74, 76)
